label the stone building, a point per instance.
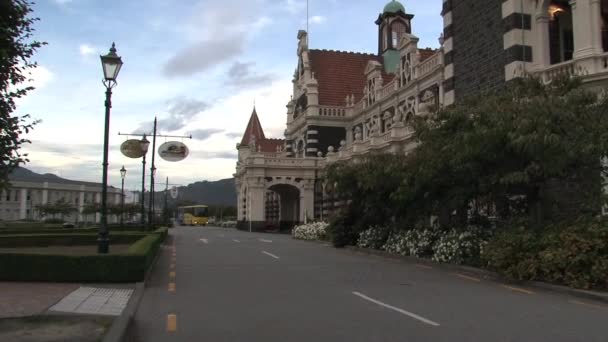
(29, 190)
(346, 105)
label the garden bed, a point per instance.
(125, 266)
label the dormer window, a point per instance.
(399, 29)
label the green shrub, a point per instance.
(341, 231)
(54, 220)
(513, 253)
(574, 255)
(41, 240)
(127, 267)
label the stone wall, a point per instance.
(478, 56)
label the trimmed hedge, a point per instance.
(42, 240)
(127, 267)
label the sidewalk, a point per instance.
(28, 299)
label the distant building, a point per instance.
(347, 105)
(28, 190)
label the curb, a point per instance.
(120, 330)
(586, 294)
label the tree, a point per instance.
(60, 207)
(528, 143)
(16, 49)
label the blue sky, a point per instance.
(197, 65)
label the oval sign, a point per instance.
(173, 192)
(173, 151)
(131, 148)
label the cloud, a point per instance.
(317, 19)
(219, 31)
(234, 135)
(87, 50)
(294, 6)
(203, 134)
(204, 55)
(242, 75)
(181, 111)
(39, 77)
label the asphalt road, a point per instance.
(230, 285)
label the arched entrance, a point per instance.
(289, 205)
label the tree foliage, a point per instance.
(531, 151)
(16, 50)
(61, 208)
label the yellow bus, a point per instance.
(193, 215)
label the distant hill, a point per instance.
(25, 175)
(222, 192)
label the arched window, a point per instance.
(398, 30)
(561, 37)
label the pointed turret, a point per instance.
(254, 131)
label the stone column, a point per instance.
(81, 203)
(541, 53)
(98, 200)
(307, 201)
(586, 21)
(256, 207)
(22, 204)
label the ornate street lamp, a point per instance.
(144, 144)
(111, 64)
(123, 173)
(151, 203)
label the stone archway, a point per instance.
(289, 205)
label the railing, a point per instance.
(332, 111)
(428, 66)
(558, 70)
(387, 90)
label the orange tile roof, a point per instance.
(270, 145)
(340, 74)
(426, 53)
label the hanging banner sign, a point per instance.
(131, 148)
(173, 151)
(173, 192)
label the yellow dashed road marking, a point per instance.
(171, 323)
(172, 266)
(171, 287)
(589, 304)
(467, 277)
(172, 274)
(423, 266)
(517, 289)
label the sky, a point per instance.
(197, 65)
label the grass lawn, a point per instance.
(54, 328)
(65, 250)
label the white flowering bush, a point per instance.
(374, 237)
(310, 231)
(459, 246)
(396, 243)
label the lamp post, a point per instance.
(123, 173)
(111, 64)
(151, 205)
(144, 143)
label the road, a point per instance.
(219, 284)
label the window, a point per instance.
(28, 195)
(561, 37)
(399, 29)
(16, 197)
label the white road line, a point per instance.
(264, 240)
(204, 240)
(407, 313)
(235, 240)
(270, 254)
